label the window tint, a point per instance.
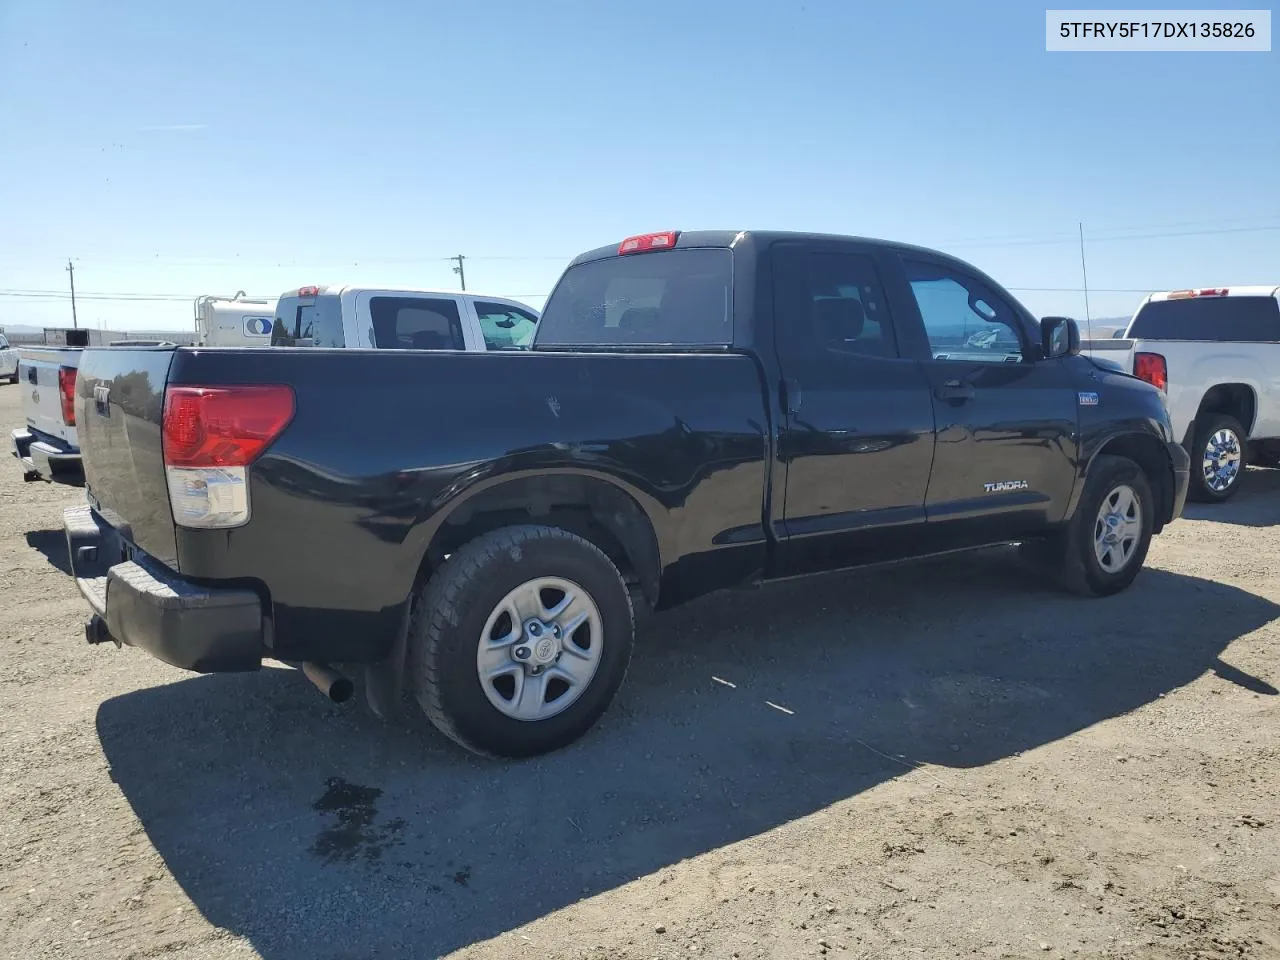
(1232, 319)
(963, 318)
(415, 323)
(831, 300)
(505, 327)
(677, 297)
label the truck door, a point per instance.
(857, 441)
(1005, 462)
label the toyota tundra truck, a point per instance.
(699, 410)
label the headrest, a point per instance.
(429, 340)
(840, 318)
(639, 318)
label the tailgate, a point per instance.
(42, 400)
(119, 407)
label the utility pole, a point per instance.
(1085, 276)
(458, 270)
(72, 270)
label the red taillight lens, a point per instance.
(649, 241)
(308, 291)
(67, 390)
(1214, 292)
(222, 426)
(1151, 368)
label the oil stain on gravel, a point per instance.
(354, 836)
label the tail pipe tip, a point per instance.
(329, 681)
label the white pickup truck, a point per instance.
(1215, 352)
(47, 448)
(401, 319)
(8, 360)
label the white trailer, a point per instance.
(234, 321)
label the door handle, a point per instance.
(955, 390)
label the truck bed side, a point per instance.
(364, 484)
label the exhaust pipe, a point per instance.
(95, 630)
(329, 681)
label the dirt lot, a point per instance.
(946, 760)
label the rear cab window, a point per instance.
(1243, 319)
(308, 321)
(676, 298)
(416, 323)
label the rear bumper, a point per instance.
(1181, 478)
(144, 604)
(42, 460)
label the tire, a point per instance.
(1209, 433)
(1072, 558)
(457, 607)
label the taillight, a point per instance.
(649, 241)
(1151, 368)
(67, 391)
(1206, 292)
(209, 435)
(308, 291)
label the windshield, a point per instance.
(677, 298)
(1237, 319)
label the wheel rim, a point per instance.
(540, 649)
(1118, 529)
(1221, 460)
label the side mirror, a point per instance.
(1059, 337)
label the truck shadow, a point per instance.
(1256, 505)
(316, 832)
(52, 545)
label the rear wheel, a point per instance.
(519, 642)
(1217, 458)
(1105, 543)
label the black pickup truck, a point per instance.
(699, 410)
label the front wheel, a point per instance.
(519, 642)
(1217, 459)
(1105, 543)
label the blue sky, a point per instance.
(203, 148)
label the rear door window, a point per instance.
(505, 327)
(416, 323)
(676, 297)
(1230, 319)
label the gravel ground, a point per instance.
(943, 760)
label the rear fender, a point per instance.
(595, 505)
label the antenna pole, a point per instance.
(1084, 274)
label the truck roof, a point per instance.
(728, 238)
(1255, 290)
(338, 289)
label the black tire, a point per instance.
(450, 614)
(1070, 558)
(1206, 428)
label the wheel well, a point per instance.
(593, 509)
(1150, 455)
(1233, 399)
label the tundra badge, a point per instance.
(1002, 486)
(1087, 398)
